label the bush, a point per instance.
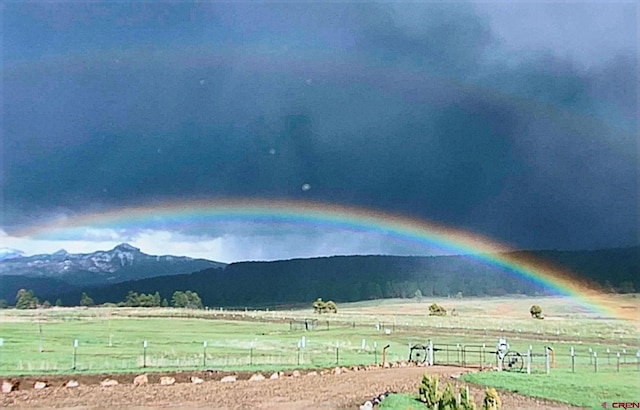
(428, 391)
(186, 299)
(437, 310)
(491, 400)
(86, 300)
(25, 299)
(536, 312)
(466, 401)
(446, 400)
(320, 306)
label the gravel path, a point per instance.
(322, 391)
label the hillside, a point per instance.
(352, 278)
(62, 271)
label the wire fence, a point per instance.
(92, 343)
(85, 357)
(539, 359)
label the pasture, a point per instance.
(605, 364)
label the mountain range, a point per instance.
(107, 276)
(63, 271)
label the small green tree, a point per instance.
(466, 401)
(156, 299)
(193, 300)
(25, 299)
(437, 310)
(188, 299)
(428, 390)
(319, 306)
(3, 304)
(418, 295)
(165, 303)
(46, 304)
(58, 302)
(491, 400)
(132, 299)
(536, 312)
(85, 300)
(331, 307)
(145, 300)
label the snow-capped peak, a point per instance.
(125, 247)
(9, 253)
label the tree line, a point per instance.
(26, 299)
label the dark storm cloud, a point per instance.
(412, 108)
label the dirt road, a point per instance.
(320, 391)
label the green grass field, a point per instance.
(584, 388)
(112, 340)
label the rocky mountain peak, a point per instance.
(125, 247)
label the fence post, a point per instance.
(430, 353)
(204, 353)
(75, 348)
(608, 356)
(375, 353)
(618, 362)
(595, 362)
(446, 355)
(298, 353)
(251, 353)
(590, 355)
(573, 360)
(546, 359)
(144, 353)
(337, 353)
(529, 361)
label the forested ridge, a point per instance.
(353, 278)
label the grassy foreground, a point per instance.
(579, 389)
(112, 340)
(585, 389)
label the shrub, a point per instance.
(491, 400)
(85, 300)
(536, 312)
(466, 401)
(437, 310)
(446, 400)
(428, 390)
(25, 299)
(320, 306)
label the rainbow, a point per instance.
(425, 233)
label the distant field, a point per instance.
(112, 339)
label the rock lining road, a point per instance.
(322, 391)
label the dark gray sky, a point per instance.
(517, 121)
